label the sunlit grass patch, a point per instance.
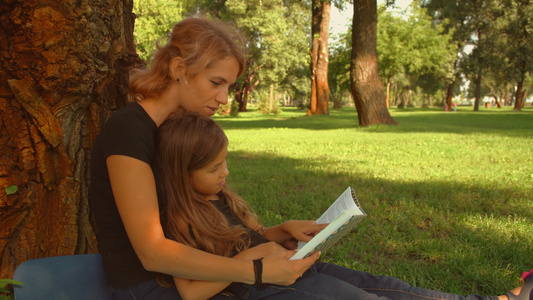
(448, 195)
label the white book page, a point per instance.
(334, 226)
(344, 202)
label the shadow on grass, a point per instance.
(505, 123)
(440, 235)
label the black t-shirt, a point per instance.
(130, 132)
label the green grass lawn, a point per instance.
(448, 195)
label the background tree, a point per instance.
(494, 40)
(64, 70)
(513, 20)
(339, 68)
(367, 88)
(410, 45)
(277, 43)
(319, 103)
(456, 17)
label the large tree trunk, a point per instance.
(320, 58)
(366, 86)
(64, 70)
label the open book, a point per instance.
(342, 216)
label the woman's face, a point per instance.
(207, 90)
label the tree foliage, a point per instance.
(154, 20)
(410, 45)
(510, 32)
(494, 43)
(277, 40)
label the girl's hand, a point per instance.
(288, 233)
(302, 231)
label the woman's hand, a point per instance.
(277, 269)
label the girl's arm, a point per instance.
(135, 194)
(199, 289)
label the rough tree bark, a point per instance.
(64, 71)
(320, 58)
(367, 88)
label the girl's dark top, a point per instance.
(255, 237)
(129, 132)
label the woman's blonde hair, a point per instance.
(186, 143)
(198, 41)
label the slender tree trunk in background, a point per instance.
(519, 96)
(248, 85)
(449, 94)
(387, 99)
(243, 89)
(239, 95)
(479, 75)
(507, 95)
(320, 58)
(477, 92)
(497, 101)
(367, 88)
(451, 86)
(64, 71)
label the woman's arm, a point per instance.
(135, 194)
(199, 289)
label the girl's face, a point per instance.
(210, 179)
(204, 92)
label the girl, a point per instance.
(204, 213)
(192, 72)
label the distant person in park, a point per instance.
(191, 73)
(203, 212)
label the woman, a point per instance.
(204, 213)
(192, 72)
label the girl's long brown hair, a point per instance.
(199, 41)
(186, 143)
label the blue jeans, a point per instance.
(151, 290)
(327, 281)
